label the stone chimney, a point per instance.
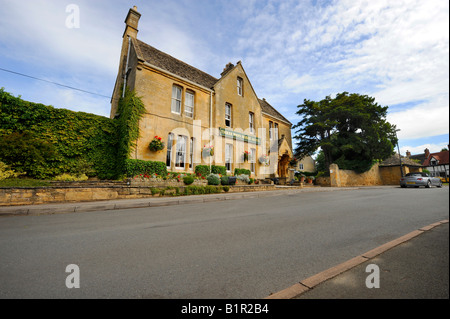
(131, 22)
(408, 154)
(227, 68)
(427, 153)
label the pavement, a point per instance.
(104, 205)
(413, 266)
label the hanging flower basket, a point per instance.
(156, 144)
(264, 159)
(208, 151)
(246, 156)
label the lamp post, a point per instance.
(399, 156)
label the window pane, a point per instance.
(189, 106)
(191, 153)
(180, 151)
(176, 99)
(169, 150)
(228, 115)
(228, 156)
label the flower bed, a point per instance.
(171, 179)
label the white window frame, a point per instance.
(253, 160)
(251, 122)
(177, 92)
(239, 86)
(228, 156)
(228, 117)
(191, 152)
(189, 102)
(169, 155)
(275, 131)
(300, 166)
(180, 152)
(270, 130)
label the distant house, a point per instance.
(307, 164)
(436, 163)
(390, 168)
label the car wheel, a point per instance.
(440, 184)
(428, 184)
(403, 186)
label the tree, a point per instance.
(350, 129)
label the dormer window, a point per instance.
(239, 86)
(433, 162)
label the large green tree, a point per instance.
(350, 129)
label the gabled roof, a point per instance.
(441, 157)
(419, 157)
(269, 109)
(394, 161)
(168, 63)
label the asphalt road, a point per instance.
(246, 248)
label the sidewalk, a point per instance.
(414, 266)
(75, 207)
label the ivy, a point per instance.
(130, 110)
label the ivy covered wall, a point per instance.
(44, 141)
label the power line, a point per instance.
(66, 86)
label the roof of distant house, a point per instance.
(269, 109)
(394, 161)
(441, 157)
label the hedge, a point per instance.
(202, 170)
(135, 167)
(222, 170)
(240, 171)
(80, 140)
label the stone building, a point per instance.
(191, 111)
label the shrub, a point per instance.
(244, 178)
(241, 171)
(202, 170)
(222, 170)
(213, 179)
(251, 181)
(6, 172)
(25, 152)
(70, 178)
(226, 188)
(188, 180)
(154, 190)
(224, 180)
(135, 167)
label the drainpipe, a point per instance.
(126, 68)
(210, 124)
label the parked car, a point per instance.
(444, 179)
(420, 179)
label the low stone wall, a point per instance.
(61, 194)
(377, 175)
(344, 178)
(323, 181)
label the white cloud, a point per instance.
(424, 120)
(420, 149)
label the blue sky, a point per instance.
(395, 51)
